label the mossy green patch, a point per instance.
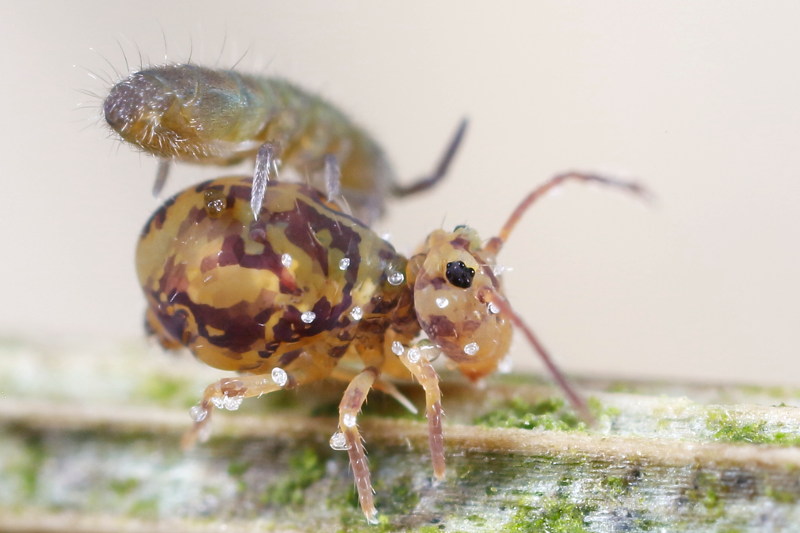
(167, 390)
(282, 400)
(146, 508)
(707, 492)
(403, 497)
(28, 468)
(305, 468)
(615, 485)
(553, 516)
(621, 387)
(326, 409)
(781, 496)
(726, 429)
(774, 391)
(711, 499)
(125, 486)
(551, 414)
(476, 519)
(238, 468)
(598, 410)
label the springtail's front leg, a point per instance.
(386, 387)
(228, 393)
(417, 359)
(348, 438)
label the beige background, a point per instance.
(697, 99)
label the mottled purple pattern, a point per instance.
(288, 357)
(240, 328)
(156, 220)
(460, 243)
(301, 227)
(175, 324)
(438, 326)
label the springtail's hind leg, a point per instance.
(418, 363)
(429, 181)
(266, 166)
(162, 173)
(354, 397)
(228, 393)
(332, 174)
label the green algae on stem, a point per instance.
(726, 428)
(111, 457)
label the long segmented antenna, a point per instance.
(575, 399)
(495, 243)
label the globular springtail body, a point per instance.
(284, 298)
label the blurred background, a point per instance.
(699, 101)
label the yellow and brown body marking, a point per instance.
(292, 290)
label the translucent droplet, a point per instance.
(493, 308)
(232, 403)
(396, 278)
(339, 442)
(414, 355)
(471, 348)
(506, 365)
(308, 317)
(430, 351)
(397, 348)
(197, 413)
(280, 377)
(442, 302)
(344, 263)
(349, 420)
(356, 313)
(286, 260)
(219, 402)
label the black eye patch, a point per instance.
(459, 274)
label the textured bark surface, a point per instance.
(89, 442)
